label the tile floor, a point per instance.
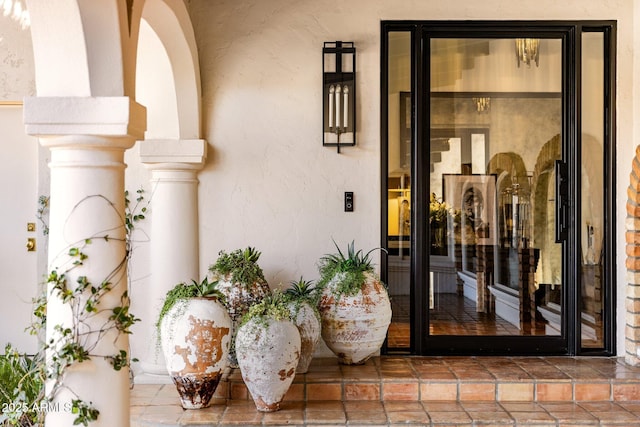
(423, 391)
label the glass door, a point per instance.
(494, 222)
(496, 124)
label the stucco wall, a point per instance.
(269, 182)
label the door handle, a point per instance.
(31, 244)
(562, 201)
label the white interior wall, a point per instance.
(18, 205)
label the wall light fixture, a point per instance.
(339, 94)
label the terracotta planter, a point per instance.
(238, 298)
(307, 320)
(354, 327)
(268, 352)
(195, 336)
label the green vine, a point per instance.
(351, 267)
(72, 344)
(42, 212)
(241, 264)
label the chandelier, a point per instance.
(528, 50)
(483, 104)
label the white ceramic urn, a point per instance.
(307, 320)
(268, 352)
(195, 335)
(354, 327)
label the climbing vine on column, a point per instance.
(92, 322)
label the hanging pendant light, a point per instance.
(528, 50)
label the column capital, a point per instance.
(108, 116)
(173, 153)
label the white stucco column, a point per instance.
(174, 255)
(87, 137)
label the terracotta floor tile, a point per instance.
(482, 406)
(239, 391)
(630, 406)
(473, 374)
(601, 406)
(326, 417)
(295, 393)
(439, 391)
(284, 416)
(242, 418)
(426, 375)
(408, 417)
(434, 387)
(572, 418)
(403, 406)
(450, 406)
(363, 406)
(490, 417)
(145, 390)
(438, 417)
(362, 391)
(521, 407)
(160, 418)
(616, 416)
(241, 406)
(360, 373)
(519, 392)
(202, 416)
(366, 417)
(555, 391)
(561, 406)
(526, 418)
(400, 391)
(570, 413)
(626, 392)
(592, 391)
(322, 391)
(477, 391)
(318, 377)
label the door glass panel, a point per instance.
(592, 222)
(399, 188)
(495, 135)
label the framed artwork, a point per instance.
(474, 203)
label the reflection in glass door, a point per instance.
(493, 198)
(488, 180)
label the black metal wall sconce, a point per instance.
(339, 94)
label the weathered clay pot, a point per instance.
(238, 298)
(307, 320)
(195, 335)
(268, 352)
(354, 327)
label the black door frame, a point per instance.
(570, 34)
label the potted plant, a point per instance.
(241, 281)
(195, 333)
(268, 351)
(354, 305)
(303, 302)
